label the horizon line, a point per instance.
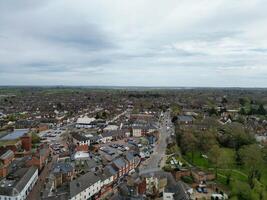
(138, 86)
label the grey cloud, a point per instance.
(98, 42)
(82, 36)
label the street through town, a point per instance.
(157, 159)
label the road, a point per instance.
(118, 116)
(36, 191)
(157, 159)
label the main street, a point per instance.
(157, 159)
(36, 191)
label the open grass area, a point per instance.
(198, 160)
(236, 173)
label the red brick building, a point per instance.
(26, 142)
(5, 160)
(40, 158)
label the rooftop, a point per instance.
(85, 120)
(17, 133)
(82, 183)
(14, 184)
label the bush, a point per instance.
(35, 138)
(187, 179)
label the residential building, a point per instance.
(80, 139)
(121, 165)
(63, 172)
(18, 185)
(185, 119)
(40, 158)
(5, 160)
(85, 187)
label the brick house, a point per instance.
(63, 173)
(26, 142)
(5, 160)
(121, 165)
(40, 158)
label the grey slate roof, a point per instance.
(185, 118)
(111, 169)
(79, 136)
(119, 163)
(113, 133)
(6, 155)
(25, 178)
(16, 183)
(62, 168)
(129, 156)
(82, 183)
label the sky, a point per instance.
(179, 43)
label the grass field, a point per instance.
(236, 172)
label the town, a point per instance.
(80, 143)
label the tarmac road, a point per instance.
(35, 194)
(157, 159)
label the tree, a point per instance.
(188, 143)
(252, 158)
(244, 101)
(206, 139)
(35, 138)
(224, 100)
(261, 110)
(242, 111)
(235, 136)
(212, 111)
(241, 190)
(214, 157)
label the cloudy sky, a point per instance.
(134, 43)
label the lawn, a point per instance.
(198, 160)
(203, 163)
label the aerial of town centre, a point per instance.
(86, 143)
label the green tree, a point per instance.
(189, 144)
(261, 110)
(206, 139)
(35, 138)
(212, 111)
(240, 190)
(214, 157)
(242, 111)
(252, 158)
(235, 136)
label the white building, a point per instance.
(111, 128)
(168, 195)
(79, 139)
(19, 187)
(81, 155)
(137, 131)
(84, 122)
(85, 187)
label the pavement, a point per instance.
(158, 158)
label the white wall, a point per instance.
(137, 132)
(28, 187)
(89, 192)
(168, 196)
